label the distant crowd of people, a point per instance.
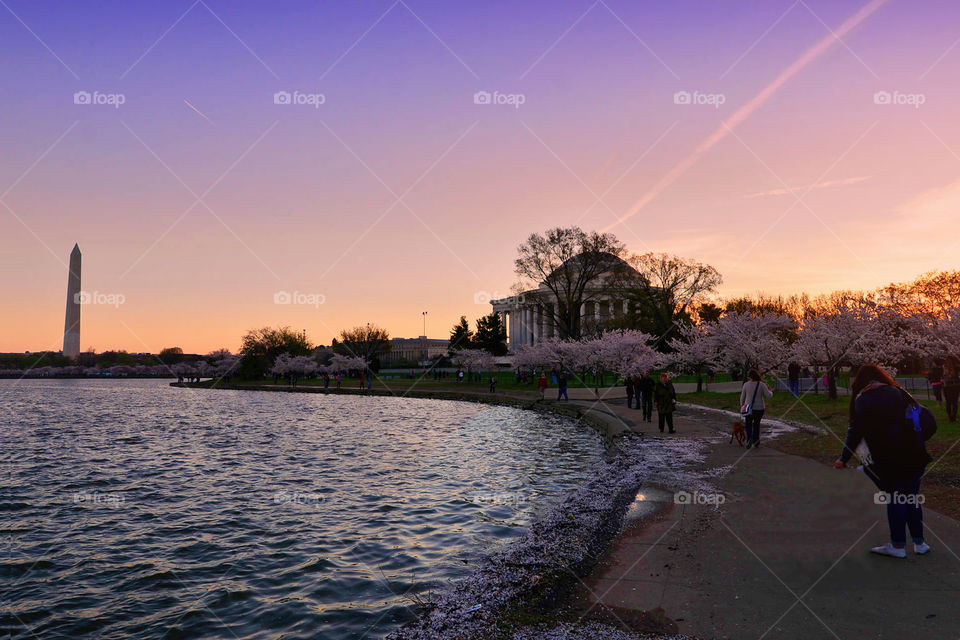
(944, 379)
(643, 393)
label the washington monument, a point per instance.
(71, 325)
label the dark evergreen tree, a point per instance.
(491, 335)
(461, 337)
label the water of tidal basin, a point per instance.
(134, 510)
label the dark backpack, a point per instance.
(918, 418)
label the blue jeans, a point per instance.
(752, 426)
(904, 510)
(562, 393)
(795, 388)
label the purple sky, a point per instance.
(198, 199)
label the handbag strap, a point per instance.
(755, 389)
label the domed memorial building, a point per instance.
(581, 296)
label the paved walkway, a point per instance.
(786, 556)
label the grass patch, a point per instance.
(941, 485)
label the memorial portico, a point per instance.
(529, 319)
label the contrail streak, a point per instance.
(747, 110)
(202, 114)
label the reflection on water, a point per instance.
(131, 509)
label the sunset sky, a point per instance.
(824, 153)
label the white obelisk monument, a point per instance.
(71, 325)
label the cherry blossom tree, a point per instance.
(222, 363)
(293, 367)
(850, 329)
(628, 352)
(589, 355)
(941, 335)
(697, 349)
(753, 341)
(564, 355)
(183, 370)
(342, 364)
(474, 359)
(533, 356)
(203, 369)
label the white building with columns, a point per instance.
(529, 316)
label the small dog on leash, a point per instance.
(738, 433)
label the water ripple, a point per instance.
(137, 510)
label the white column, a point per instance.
(515, 326)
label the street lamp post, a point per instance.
(424, 340)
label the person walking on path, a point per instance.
(666, 398)
(628, 383)
(897, 456)
(542, 385)
(562, 387)
(935, 378)
(793, 377)
(493, 384)
(338, 382)
(951, 387)
(751, 400)
(644, 391)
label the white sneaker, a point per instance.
(890, 550)
(921, 548)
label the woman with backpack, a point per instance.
(752, 406)
(888, 420)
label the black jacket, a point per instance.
(664, 395)
(793, 372)
(645, 385)
(879, 418)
